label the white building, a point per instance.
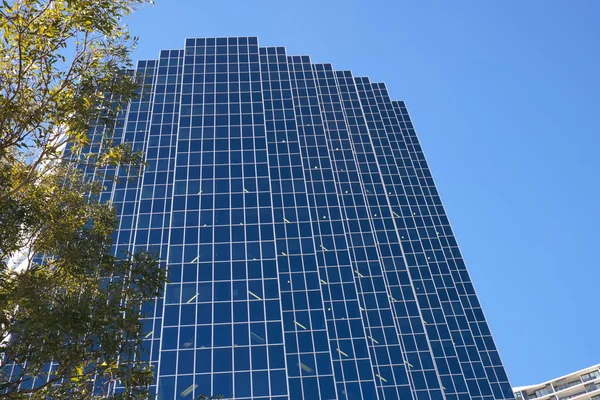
(580, 385)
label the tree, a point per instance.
(70, 310)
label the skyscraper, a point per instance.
(309, 253)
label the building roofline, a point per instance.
(580, 372)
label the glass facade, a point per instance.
(308, 251)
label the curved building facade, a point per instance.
(309, 254)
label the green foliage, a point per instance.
(70, 304)
(73, 303)
(58, 61)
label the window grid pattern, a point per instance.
(399, 292)
(406, 222)
(156, 202)
(440, 329)
(125, 193)
(354, 376)
(377, 316)
(424, 383)
(307, 349)
(222, 217)
(494, 370)
(120, 186)
(308, 251)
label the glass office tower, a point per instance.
(309, 253)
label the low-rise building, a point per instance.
(580, 385)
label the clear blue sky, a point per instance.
(505, 96)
